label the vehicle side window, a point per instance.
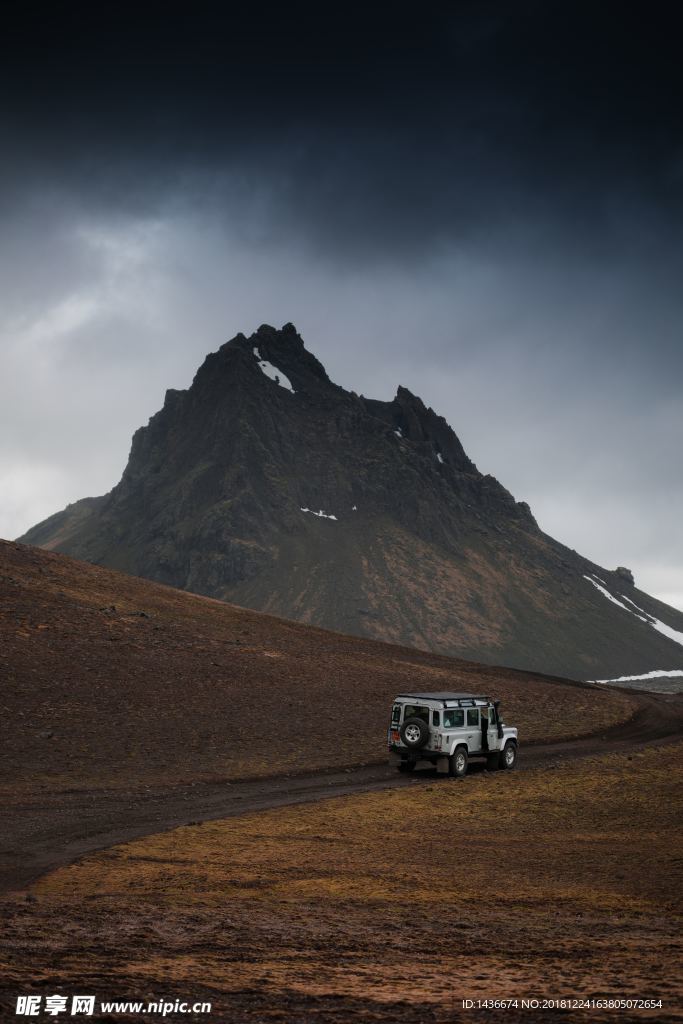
(454, 718)
(473, 716)
(436, 718)
(492, 716)
(396, 714)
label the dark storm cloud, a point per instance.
(480, 200)
(379, 131)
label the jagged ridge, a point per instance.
(223, 491)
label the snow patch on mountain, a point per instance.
(605, 592)
(661, 627)
(636, 606)
(651, 620)
(320, 514)
(655, 674)
(273, 373)
(668, 631)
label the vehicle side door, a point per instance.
(454, 728)
(493, 741)
(473, 730)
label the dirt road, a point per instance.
(59, 827)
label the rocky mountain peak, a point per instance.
(240, 363)
(286, 338)
(272, 349)
(266, 484)
(288, 346)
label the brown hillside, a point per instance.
(110, 681)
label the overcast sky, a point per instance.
(480, 201)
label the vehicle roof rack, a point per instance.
(443, 696)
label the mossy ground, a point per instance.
(560, 882)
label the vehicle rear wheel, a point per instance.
(508, 759)
(406, 766)
(457, 763)
(493, 762)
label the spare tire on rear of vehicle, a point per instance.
(414, 733)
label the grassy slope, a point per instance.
(388, 906)
(96, 694)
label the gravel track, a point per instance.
(55, 829)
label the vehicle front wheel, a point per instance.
(457, 763)
(508, 759)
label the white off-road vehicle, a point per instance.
(448, 729)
